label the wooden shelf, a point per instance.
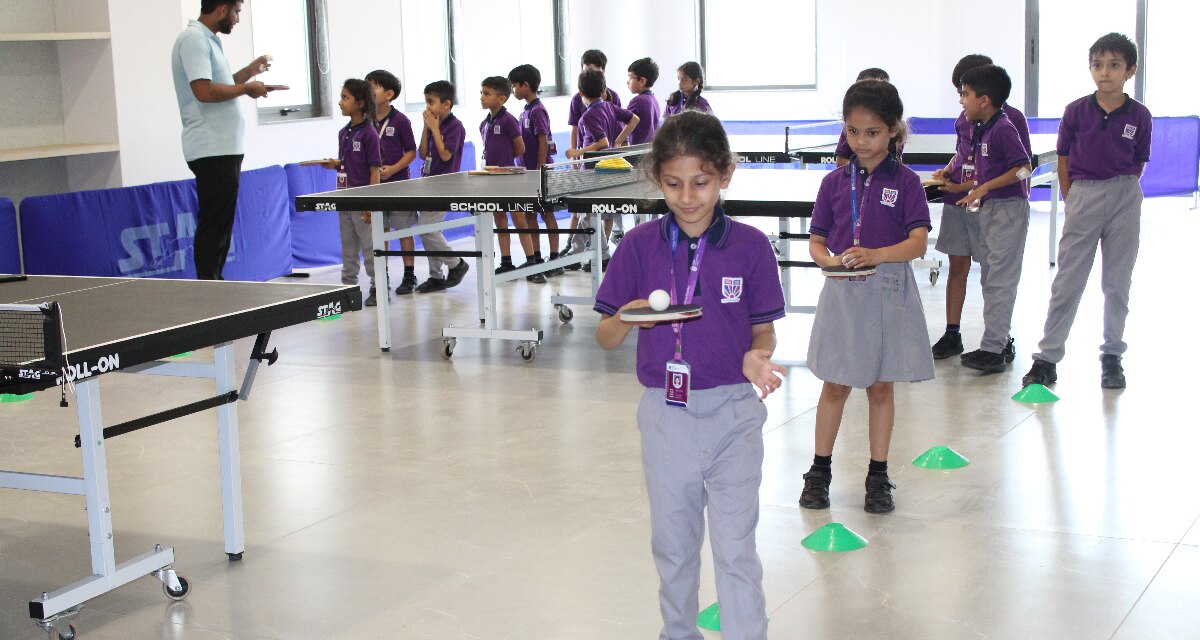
(54, 35)
(55, 151)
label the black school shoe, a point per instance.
(370, 301)
(456, 273)
(989, 362)
(1009, 351)
(816, 488)
(1112, 374)
(879, 494)
(505, 267)
(537, 278)
(1041, 372)
(431, 285)
(603, 265)
(407, 286)
(950, 344)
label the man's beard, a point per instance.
(225, 26)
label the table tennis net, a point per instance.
(31, 335)
(802, 137)
(562, 179)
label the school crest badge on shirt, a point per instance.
(389, 131)
(889, 197)
(983, 150)
(1129, 131)
(731, 290)
(496, 129)
(357, 145)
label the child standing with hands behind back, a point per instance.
(706, 447)
(357, 166)
(869, 331)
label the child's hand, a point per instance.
(366, 217)
(574, 153)
(638, 304)
(857, 257)
(973, 195)
(431, 121)
(940, 174)
(765, 375)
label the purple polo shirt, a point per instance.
(645, 107)
(738, 287)
(678, 107)
(395, 140)
(892, 205)
(602, 120)
(498, 132)
(535, 121)
(454, 135)
(1104, 145)
(358, 151)
(965, 130)
(997, 148)
(577, 106)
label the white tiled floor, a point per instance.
(404, 496)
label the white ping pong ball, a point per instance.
(659, 300)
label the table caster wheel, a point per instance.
(448, 348)
(181, 593)
(528, 352)
(565, 314)
(933, 276)
(234, 557)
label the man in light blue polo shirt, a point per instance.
(212, 125)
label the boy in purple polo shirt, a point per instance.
(502, 145)
(592, 59)
(1001, 196)
(959, 235)
(600, 118)
(1103, 146)
(700, 417)
(643, 73)
(539, 148)
(442, 140)
(398, 149)
(357, 165)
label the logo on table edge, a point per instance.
(889, 197)
(731, 289)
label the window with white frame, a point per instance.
(1170, 28)
(426, 40)
(293, 32)
(1065, 74)
(498, 35)
(728, 27)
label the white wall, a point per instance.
(915, 43)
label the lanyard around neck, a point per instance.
(693, 278)
(855, 205)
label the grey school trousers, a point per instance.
(1005, 225)
(435, 241)
(356, 240)
(708, 454)
(1107, 213)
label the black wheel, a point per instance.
(183, 589)
(565, 314)
(933, 276)
(68, 634)
(448, 348)
(528, 352)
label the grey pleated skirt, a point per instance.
(871, 330)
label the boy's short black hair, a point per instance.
(991, 81)
(1117, 43)
(209, 6)
(874, 73)
(442, 89)
(591, 84)
(385, 79)
(968, 62)
(594, 57)
(499, 84)
(526, 73)
(645, 68)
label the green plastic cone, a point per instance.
(834, 537)
(941, 458)
(15, 397)
(336, 316)
(710, 618)
(1035, 393)
(180, 355)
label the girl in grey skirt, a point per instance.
(869, 331)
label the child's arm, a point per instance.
(389, 170)
(376, 172)
(1003, 180)
(629, 127)
(574, 135)
(433, 126)
(757, 365)
(612, 331)
(1064, 176)
(820, 253)
(598, 145)
(423, 146)
(543, 149)
(518, 146)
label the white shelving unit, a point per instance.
(58, 111)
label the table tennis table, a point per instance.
(59, 331)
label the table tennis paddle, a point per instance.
(277, 87)
(671, 313)
(309, 163)
(497, 171)
(933, 182)
(840, 271)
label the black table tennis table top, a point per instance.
(130, 321)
